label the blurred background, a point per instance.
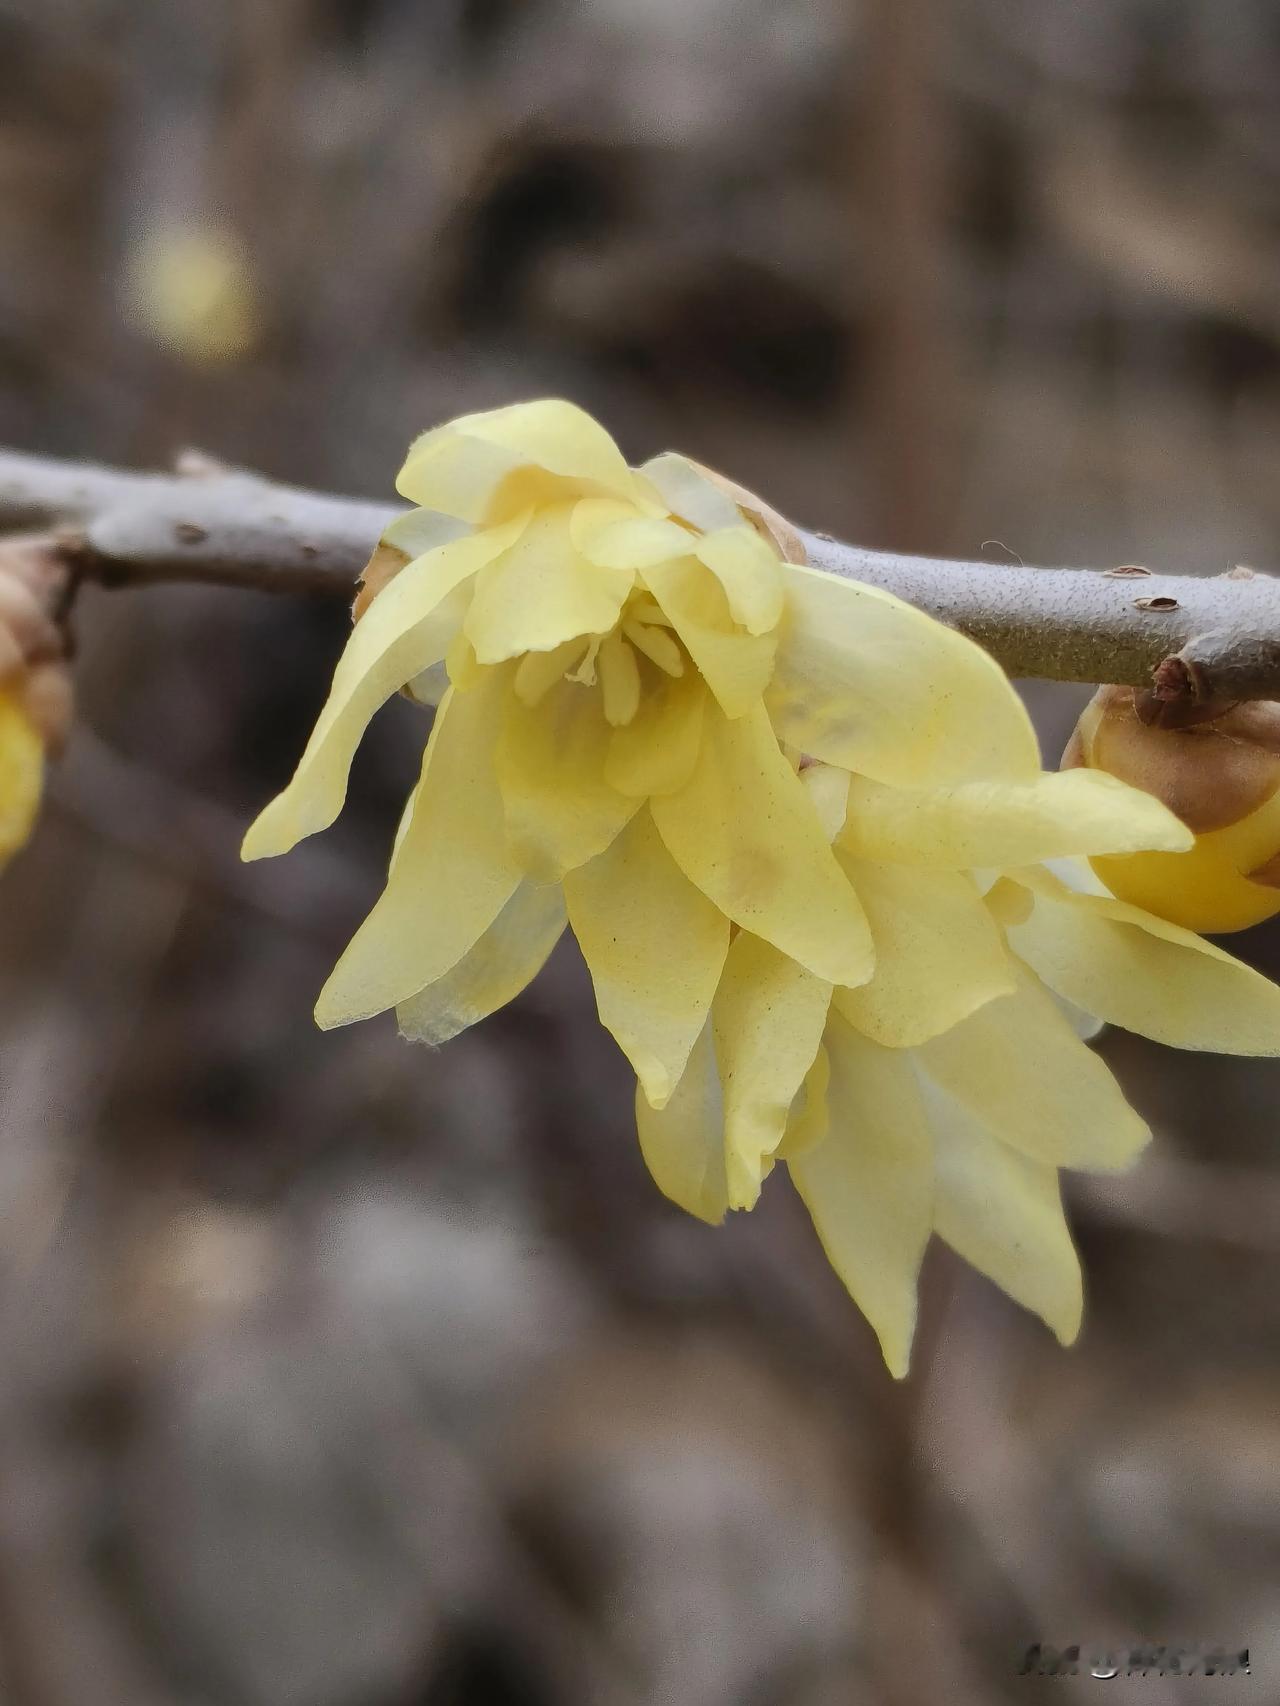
(338, 1372)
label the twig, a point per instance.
(1192, 637)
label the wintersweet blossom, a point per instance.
(944, 1094)
(35, 691)
(622, 653)
(21, 774)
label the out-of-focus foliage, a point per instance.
(335, 1372)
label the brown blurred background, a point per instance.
(337, 1372)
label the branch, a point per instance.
(1193, 637)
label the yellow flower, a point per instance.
(623, 652)
(1221, 776)
(944, 1094)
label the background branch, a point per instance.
(1196, 637)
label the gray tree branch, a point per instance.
(1192, 637)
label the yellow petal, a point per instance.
(808, 1122)
(1021, 1071)
(616, 536)
(657, 645)
(21, 775)
(767, 1022)
(537, 672)
(408, 627)
(560, 810)
(1003, 1213)
(939, 954)
(828, 788)
(1137, 971)
(682, 1143)
(507, 957)
(869, 1184)
(542, 592)
(482, 465)
(750, 573)
(418, 531)
(867, 682)
(743, 829)
(736, 665)
(688, 492)
(1021, 822)
(656, 751)
(654, 947)
(451, 876)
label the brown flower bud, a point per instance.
(1221, 776)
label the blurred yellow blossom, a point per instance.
(35, 687)
(1221, 775)
(190, 287)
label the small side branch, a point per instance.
(1192, 638)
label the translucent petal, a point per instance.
(656, 752)
(476, 466)
(869, 1184)
(654, 946)
(768, 1020)
(1006, 823)
(1143, 974)
(743, 829)
(682, 1143)
(560, 810)
(939, 953)
(541, 592)
(452, 874)
(1021, 1071)
(615, 536)
(828, 788)
(507, 957)
(809, 1121)
(750, 572)
(21, 774)
(538, 672)
(418, 531)
(736, 665)
(1003, 1213)
(689, 494)
(407, 628)
(869, 683)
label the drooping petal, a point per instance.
(736, 665)
(688, 492)
(483, 465)
(418, 531)
(1141, 973)
(939, 954)
(682, 1143)
(541, 592)
(768, 1020)
(864, 681)
(654, 946)
(809, 1120)
(656, 751)
(452, 873)
(1002, 1212)
(1021, 1071)
(507, 957)
(743, 829)
(1006, 823)
(407, 628)
(868, 1185)
(750, 573)
(560, 810)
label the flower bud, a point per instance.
(1221, 776)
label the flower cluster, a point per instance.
(801, 834)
